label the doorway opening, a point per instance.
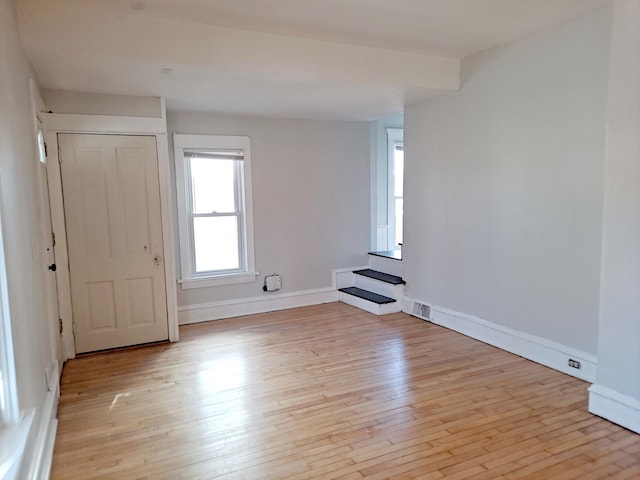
(387, 182)
(395, 181)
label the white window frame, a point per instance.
(189, 277)
(14, 426)
(395, 136)
(9, 413)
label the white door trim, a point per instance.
(164, 179)
(102, 124)
(40, 127)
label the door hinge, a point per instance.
(61, 326)
(53, 239)
(46, 152)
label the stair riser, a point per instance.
(368, 306)
(344, 279)
(379, 287)
(386, 265)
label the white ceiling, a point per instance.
(333, 59)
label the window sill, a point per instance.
(13, 439)
(232, 279)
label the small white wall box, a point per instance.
(272, 283)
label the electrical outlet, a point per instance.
(272, 283)
(574, 363)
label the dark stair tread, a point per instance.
(383, 277)
(367, 295)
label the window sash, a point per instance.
(240, 246)
(238, 182)
(220, 271)
(237, 212)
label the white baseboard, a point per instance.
(39, 467)
(615, 407)
(531, 347)
(248, 306)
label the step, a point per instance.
(384, 284)
(368, 301)
(367, 295)
(381, 276)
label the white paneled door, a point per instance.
(114, 235)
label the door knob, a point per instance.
(53, 267)
(157, 259)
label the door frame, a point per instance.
(44, 208)
(46, 230)
(108, 125)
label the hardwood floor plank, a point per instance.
(326, 392)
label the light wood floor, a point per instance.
(329, 392)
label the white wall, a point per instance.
(503, 186)
(616, 394)
(62, 101)
(310, 198)
(19, 194)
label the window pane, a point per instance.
(3, 407)
(398, 172)
(216, 243)
(399, 213)
(213, 185)
(41, 151)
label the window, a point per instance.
(42, 149)
(14, 428)
(395, 158)
(213, 175)
(398, 192)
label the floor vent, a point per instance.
(421, 310)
